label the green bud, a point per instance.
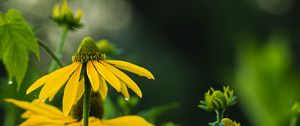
(218, 100)
(63, 16)
(106, 47)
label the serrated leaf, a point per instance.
(17, 40)
(17, 69)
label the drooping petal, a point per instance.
(122, 76)
(108, 75)
(131, 68)
(56, 80)
(47, 107)
(37, 84)
(127, 121)
(71, 91)
(124, 90)
(103, 87)
(37, 108)
(93, 75)
(80, 90)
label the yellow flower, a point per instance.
(88, 59)
(41, 114)
(229, 122)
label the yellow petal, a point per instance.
(39, 120)
(95, 122)
(55, 13)
(103, 87)
(124, 91)
(131, 68)
(37, 108)
(26, 114)
(92, 122)
(108, 75)
(122, 76)
(37, 84)
(47, 107)
(127, 121)
(56, 80)
(71, 90)
(80, 90)
(93, 75)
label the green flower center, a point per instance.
(87, 50)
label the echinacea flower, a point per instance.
(88, 59)
(218, 100)
(41, 114)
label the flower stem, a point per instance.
(223, 112)
(218, 116)
(10, 111)
(50, 52)
(86, 99)
(59, 48)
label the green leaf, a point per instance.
(17, 40)
(127, 105)
(153, 113)
(265, 79)
(110, 109)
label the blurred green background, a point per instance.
(251, 45)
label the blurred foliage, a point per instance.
(17, 40)
(107, 47)
(109, 109)
(169, 124)
(125, 107)
(127, 104)
(265, 83)
(154, 113)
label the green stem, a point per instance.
(50, 52)
(86, 99)
(59, 47)
(293, 121)
(218, 115)
(10, 117)
(223, 112)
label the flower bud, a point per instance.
(218, 100)
(63, 16)
(106, 47)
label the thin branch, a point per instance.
(50, 52)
